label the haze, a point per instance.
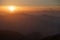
(31, 2)
(41, 16)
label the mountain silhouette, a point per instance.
(10, 35)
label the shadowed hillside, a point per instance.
(53, 37)
(10, 35)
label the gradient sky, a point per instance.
(31, 2)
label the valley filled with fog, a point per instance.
(45, 22)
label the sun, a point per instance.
(11, 8)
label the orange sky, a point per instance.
(26, 8)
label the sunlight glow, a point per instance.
(11, 8)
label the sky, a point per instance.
(31, 2)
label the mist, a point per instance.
(46, 22)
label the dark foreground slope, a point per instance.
(53, 37)
(10, 35)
